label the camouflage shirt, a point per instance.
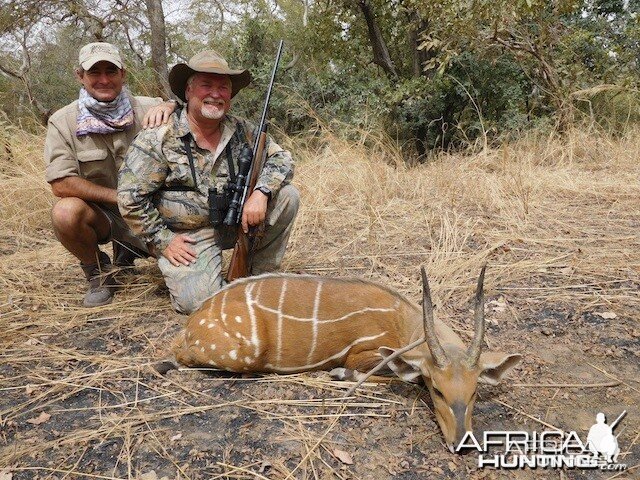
(156, 167)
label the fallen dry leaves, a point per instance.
(42, 418)
(343, 456)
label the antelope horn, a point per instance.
(437, 352)
(476, 346)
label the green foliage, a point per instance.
(476, 98)
(486, 69)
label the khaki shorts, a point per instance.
(119, 231)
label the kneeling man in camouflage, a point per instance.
(165, 182)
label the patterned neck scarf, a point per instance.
(103, 117)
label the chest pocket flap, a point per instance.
(92, 155)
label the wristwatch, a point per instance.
(266, 191)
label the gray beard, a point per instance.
(212, 114)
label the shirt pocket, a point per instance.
(97, 166)
(91, 155)
(179, 173)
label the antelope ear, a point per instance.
(407, 368)
(494, 366)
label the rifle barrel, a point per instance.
(265, 110)
(262, 128)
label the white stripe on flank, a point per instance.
(341, 353)
(283, 290)
(248, 290)
(314, 319)
(223, 315)
(330, 320)
(210, 309)
(257, 298)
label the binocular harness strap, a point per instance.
(187, 148)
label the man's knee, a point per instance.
(69, 213)
(190, 286)
(287, 204)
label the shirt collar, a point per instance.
(182, 127)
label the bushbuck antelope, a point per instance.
(287, 323)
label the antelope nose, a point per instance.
(459, 410)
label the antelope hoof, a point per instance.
(339, 373)
(164, 366)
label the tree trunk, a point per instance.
(381, 55)
(158, 47)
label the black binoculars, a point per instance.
(225, 207)
(218, 205)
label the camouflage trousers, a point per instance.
(189, 286)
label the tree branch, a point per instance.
(381, 55)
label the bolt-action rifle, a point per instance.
(249, 171)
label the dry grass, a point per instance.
(557, 220)
(544, 206)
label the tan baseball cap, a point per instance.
(96, 52)
(207, 61)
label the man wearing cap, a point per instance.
(86, 142)
(164, 183)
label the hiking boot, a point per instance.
(124, 255)
(102, 285)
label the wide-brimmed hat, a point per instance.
(207, 61)
(99, 51)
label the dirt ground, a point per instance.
(79, 397)
(109, 415)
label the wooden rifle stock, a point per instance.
(240, 264)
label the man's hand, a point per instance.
(158, 114)
(179, 252)
(255, 210)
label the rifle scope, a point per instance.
(241, 191)
(244, 164)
